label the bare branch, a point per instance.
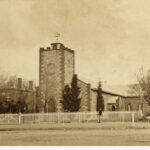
(142, 88)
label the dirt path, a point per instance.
(76, 137)
(74, 134)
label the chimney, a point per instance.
(37, 91)
(30, 85)
(19, 83)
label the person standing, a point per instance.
(99, 114)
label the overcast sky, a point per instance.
(111, 38)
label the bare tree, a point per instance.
(142, 87)
(7, 81)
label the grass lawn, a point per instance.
(75, 134)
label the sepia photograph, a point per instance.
(74, 73)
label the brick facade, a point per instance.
(85, 95)
(93, 101)
(135, 103)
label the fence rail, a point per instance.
(117, 116)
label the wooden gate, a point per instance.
(9, 118)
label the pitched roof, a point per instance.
(120, 90)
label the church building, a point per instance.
(56, 70)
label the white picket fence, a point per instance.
(116, 116)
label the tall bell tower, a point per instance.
(56, 69)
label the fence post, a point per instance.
(79, 117)
(63, 117)
(140, 113)
(133, 121)
(39, 118)
(123, 116)
(8, 118)
(58, 117)
(19, 118)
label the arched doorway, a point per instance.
(113, 108)
(51, 105)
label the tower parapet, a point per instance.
(57, 46)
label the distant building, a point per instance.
(12, 96)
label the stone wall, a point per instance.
(51, 79)
(109, 101)
(146, 109)
(68, 67)
(107, 97)
(93, 100)
(85, 96)
(134, 103)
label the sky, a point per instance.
(111, 38)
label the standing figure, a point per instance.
(99, 114)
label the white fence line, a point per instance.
(65, 117)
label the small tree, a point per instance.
(66, 102)
(71, 101)
(75, 92)
(100, 100)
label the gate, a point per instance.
(9, 118)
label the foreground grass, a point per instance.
(75, 134)
(84, 126)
